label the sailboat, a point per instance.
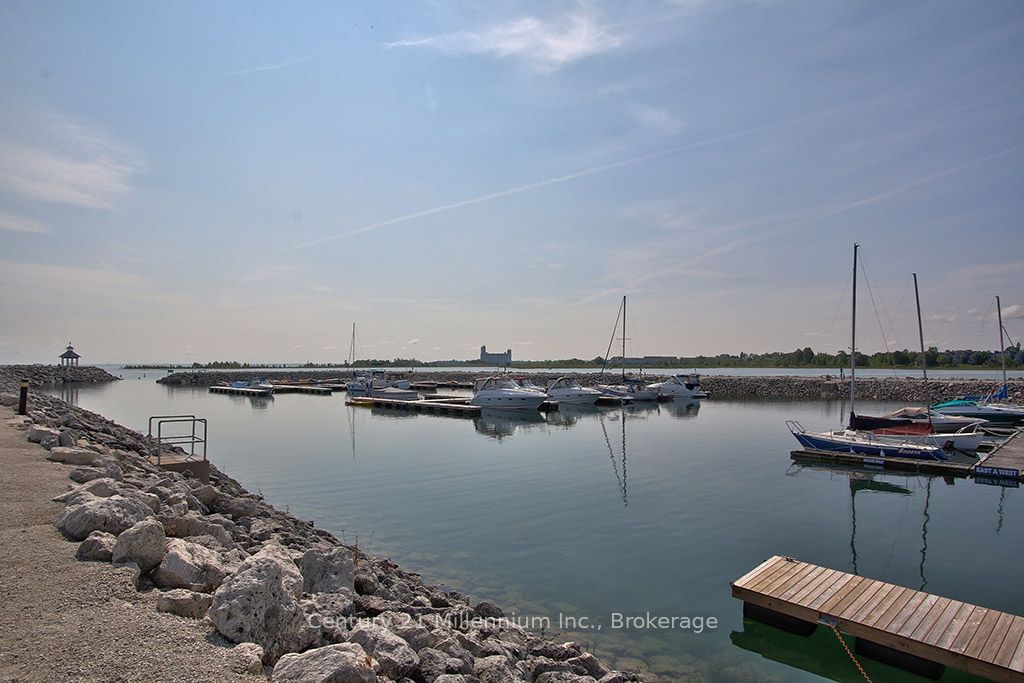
(628, 388)
(986, 407)
(966, 439)
(850, 440)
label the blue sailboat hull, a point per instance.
(822, 443)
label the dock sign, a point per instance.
(997, 472)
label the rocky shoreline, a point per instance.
(909, 389)
(299, 604)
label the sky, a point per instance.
(196, 181)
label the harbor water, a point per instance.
(599, 522)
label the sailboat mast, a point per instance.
(352, 348)
(624, 339)
(920, 336)
(853, 334)
(1002, 348)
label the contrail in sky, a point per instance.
(771, 232)
(550, 181)
(268, 67)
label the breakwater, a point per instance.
(908, 389)
(38, 375)
(292, 596)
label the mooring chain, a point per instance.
(853, 658)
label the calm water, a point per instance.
(590, 512)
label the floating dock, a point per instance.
(243, 391)
(443, 407)
(302, 389)
(1004, 463)
(979, 640)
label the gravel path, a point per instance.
(66, 620)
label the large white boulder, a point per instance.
(325, 570)
(112, 515)
(192, 524)
(98, 547)
(184, 603)
(142, 543)
(72, 455)
(342, 663)
(190, 565)
(259, 604)
(396, 658)
(38, 433)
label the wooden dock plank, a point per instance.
(759, 570)
(865, 598)
(991, 647)
(920, 615)
(827, 594)
(798, 586)
(1017, 662)
(940, 615)
(808, 596)
(854, 587)
(981, 636)
(908, 611)
(899, 601)
(781, 569)
(783, 579)
(952, 632)
(975, 639)
(1014, 639)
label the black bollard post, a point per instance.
(23, 398)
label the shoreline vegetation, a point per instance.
(294, 600)
(806, 358)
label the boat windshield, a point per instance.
(564, 383)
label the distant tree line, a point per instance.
(800, 358)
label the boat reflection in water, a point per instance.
(682, 409)
(500, 424)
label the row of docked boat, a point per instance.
(508, 392)
(958, 427)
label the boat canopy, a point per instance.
(564, 383)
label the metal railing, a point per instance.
(192, 439)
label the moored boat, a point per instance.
(680, 386)
(568, 390)
(501, 392)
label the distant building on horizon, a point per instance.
(496, 359)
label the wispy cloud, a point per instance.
(19, 224)
(266, 67)
(552, 181)
(54, 159)
(544, 44)
(766, 233)
(1013, 312)
(658, 119)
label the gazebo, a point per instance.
(69, 358)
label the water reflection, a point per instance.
(620, 476)
(68, 392)
(500, 424)
(682, 409)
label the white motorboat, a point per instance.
(680, 386)
(500, 392)
(528, 384)
(568, 390)
(630, 391)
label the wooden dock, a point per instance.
(1006, 461)
(302, 389)
(442, 407)
(979, 640)
(242, 391)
